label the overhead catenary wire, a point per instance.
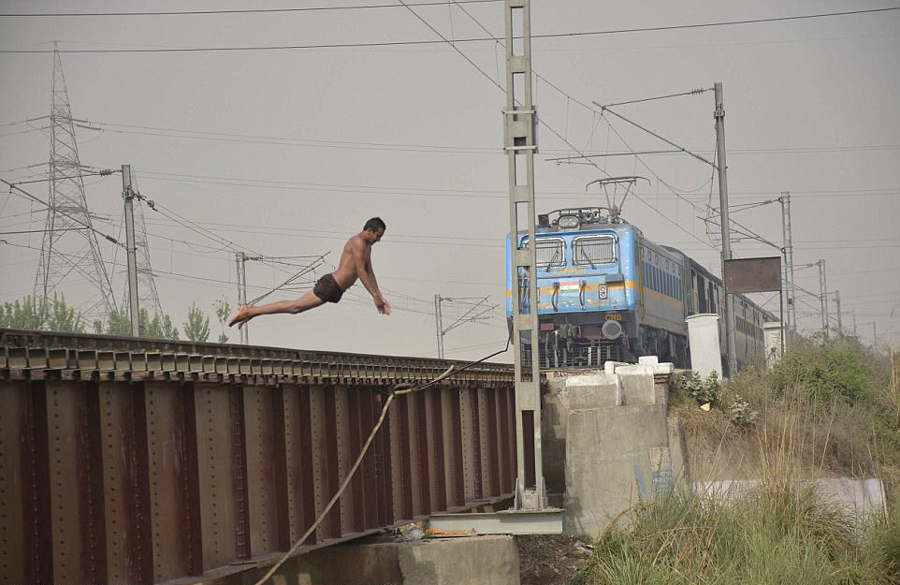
(231, 11)
(464, 40)
(303, 271)
(540, 120)
(570, 98)
(680, 148)
(655, 98)
(62, 212)
(158, 131)
(428, 191)
(196, 228)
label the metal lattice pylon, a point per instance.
(69, 250)
(148, 298)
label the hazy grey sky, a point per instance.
(288, 152)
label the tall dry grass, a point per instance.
(827, 409)
(775, 533)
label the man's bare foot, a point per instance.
(242, 316)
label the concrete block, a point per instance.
(593, 391)
(610, 367)
(648, 360)
(638, 385)
(664, 369)
(614, 456)
(473, 560)
(583, 391)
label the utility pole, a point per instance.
(241, 261)
(837, 300)
(874, 337)
(788, 251)
(439, 326)
(725, 224)
(823, 295)
(131, 249)
(472, 314)
(853, 313)
(520, 146)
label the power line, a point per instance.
(479, 193)
(280, 140)
(143, 130)
(62, 212)
(42, 231)
(364, 45)
(235, 11)
(569, 97)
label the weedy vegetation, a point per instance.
(828, 408)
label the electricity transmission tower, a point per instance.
(148, 298)
(69, 250)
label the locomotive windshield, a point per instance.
(594, 250)
(550, 252)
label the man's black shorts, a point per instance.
(328, 290)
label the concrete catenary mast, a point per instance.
(725, 224)
(788, 251)
(521, 145)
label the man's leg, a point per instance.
(307, 302)
(304, 303)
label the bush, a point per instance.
(702, 391)
(740, 413)
(838, 371)
(829, 405)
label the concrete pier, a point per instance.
(608, 441)
(470, 560)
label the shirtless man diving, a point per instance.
(356, 262)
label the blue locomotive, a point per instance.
(605, 292)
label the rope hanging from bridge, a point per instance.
(397, 390)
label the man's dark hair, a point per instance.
(375, 224)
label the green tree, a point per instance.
(196, 328)
(60, 317)
(119, 323)
(30, 313)
(21, 315)
(158, 327)
(223, 310)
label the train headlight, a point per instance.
(602, 292)
(611, 330)
(568, 222)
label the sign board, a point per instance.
(746, 275)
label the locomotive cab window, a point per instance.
(550, 253)
(593, 250)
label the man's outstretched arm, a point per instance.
(362, 257)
